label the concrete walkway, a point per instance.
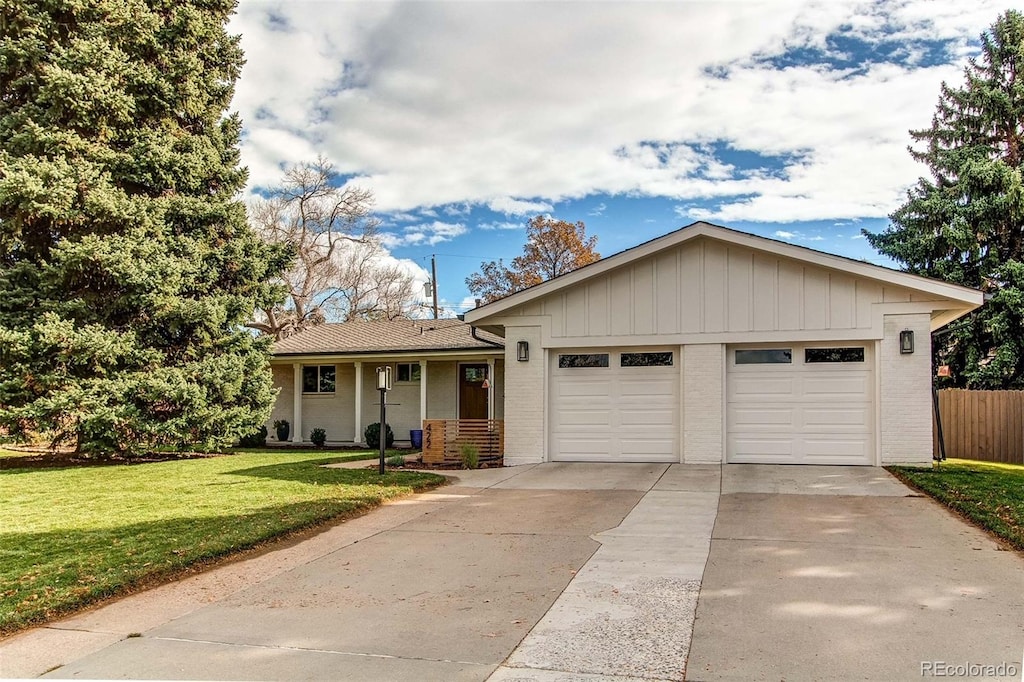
(561, 572)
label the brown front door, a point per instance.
(472, 394)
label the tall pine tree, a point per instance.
(966, 223)
(127, 267)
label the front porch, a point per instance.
(339, 395)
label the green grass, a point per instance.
(71, 536)
(989, 494)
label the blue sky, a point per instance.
(787, 119)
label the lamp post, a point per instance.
(383, 385)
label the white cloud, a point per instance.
(501, 225)
(438, 104)
(510, 206)
(598, 210)
(424, 233)
(782, 234)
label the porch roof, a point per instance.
(398, 336)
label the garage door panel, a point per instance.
(756, 416)
(649, 417)
(801, 413)
(579, 387)
(645, 387)
(582, 417)
(615, 413)
(752, 450)
(754, 387)
(834, 449)
(837, 417)
(839, 384)
(648, 450)
(582, 446)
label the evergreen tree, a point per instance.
(127, 267)
(966, 223)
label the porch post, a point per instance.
(423, 392)
(297, 402)
(358, 437)
(490, 388)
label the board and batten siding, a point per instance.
(705, 286)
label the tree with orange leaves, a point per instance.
(553, 247)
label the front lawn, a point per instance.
(988, 493)
(74, 535)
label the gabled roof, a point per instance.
(386, 336)
(970, 298)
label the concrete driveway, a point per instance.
(820, 573)
(581, 572)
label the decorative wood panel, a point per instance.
(443, 439)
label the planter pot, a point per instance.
(283, 433)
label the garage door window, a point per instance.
(834, 355)
(580, 360)
(765, 356)
(645, 359)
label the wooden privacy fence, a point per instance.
(443, 439)
(983, 425)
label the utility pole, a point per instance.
(433, 282)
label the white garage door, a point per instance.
(619, 405)
(801, 404)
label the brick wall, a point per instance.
(703, 393)
(905, 391)
(524, 398)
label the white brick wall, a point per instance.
(703, 393)
(524, 398)
(905, 392)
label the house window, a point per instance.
(646, 359)
(318, 378)
(578, 360)
(408, 371)
(834, 355)
(765, 356)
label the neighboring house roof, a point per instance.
(384, 336)
(967, 298)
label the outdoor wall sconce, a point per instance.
(522, 351)
(906, 342)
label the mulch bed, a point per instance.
(50, 459)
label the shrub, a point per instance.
(318, 437)
(257, 439)
(395, 461)
(372, 435)
(470, 456)
(283, 429)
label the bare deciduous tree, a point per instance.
(339, 271)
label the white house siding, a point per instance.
(703, 397)
(334, 413)
(442, 389)
(524, 404)
(708, 287)
(905, 392)
(283, 378)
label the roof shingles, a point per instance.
(384, 336)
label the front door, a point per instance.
(472, 392)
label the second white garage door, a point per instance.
(801, 404)
(617, 405)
